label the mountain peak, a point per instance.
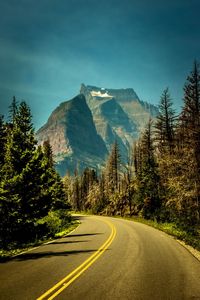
(122, 94)
(82, 130)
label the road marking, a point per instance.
(66, 281)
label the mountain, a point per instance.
(73, 136)
(118, 114)
(82, 130)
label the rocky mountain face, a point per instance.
(73, 137)
(82, 130)
(118, 114)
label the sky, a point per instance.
(49, 47)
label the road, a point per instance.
(104, 258)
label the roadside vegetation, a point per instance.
(159, 182)
(192, 239)
(33, 205)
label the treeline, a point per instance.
(32, 199)
(161, 178)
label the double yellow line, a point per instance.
(66, 281)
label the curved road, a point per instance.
(104, 258)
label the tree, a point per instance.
(13, 109)
(128, 181)
(191, 113)
(48, 153)
(113, 169)
(95, 201)
(30, 188)
(165, 124)
(188, 134)
(148, 177)
(87, 179)
(2, 141)
(53, 180)
(21, 141)
(76, 199)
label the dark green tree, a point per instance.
(30, 188)
(13, 109)
(113, 169)
(148, 176)
(2, 141)
(21, 141)
(189, 144)
(165, 124)
(53, 180)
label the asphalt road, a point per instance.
(104, 258)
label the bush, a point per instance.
(54, 222)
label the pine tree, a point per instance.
(48, 153)
(191, 113)
(30, 188)
(53, 180)
(148, 177)
(113, 169)
(2, 141)
(128, 182)
(68, 184)
(21, 142)
(189, 145)
(16, 206)
(165, 124)
(13, 109)
(76, 202)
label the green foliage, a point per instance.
(165, 182)
(2, 141)
(30, 188)
(113, 169)
(181, 169)
(148, 178)
(54, 222)
(165, 124)
(95, 200)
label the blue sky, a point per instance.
(49, 47)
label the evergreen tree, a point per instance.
(165, 124)
(21, 142)
(68, 187)
(13, 109)
(76, 202)
(2, 141)
(189, 144)
(191, 113)
(148, 178)
(16, 204)
(113, 169)
(128, 182)
(95, 201)
(87, 179)
(30, 188)
(48, 153)
(53, 180)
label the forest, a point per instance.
(160, 179)
(32, 200)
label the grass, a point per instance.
(15, 250)
(171, 229)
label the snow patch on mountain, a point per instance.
(100, 94)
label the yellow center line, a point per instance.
(66, 281)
